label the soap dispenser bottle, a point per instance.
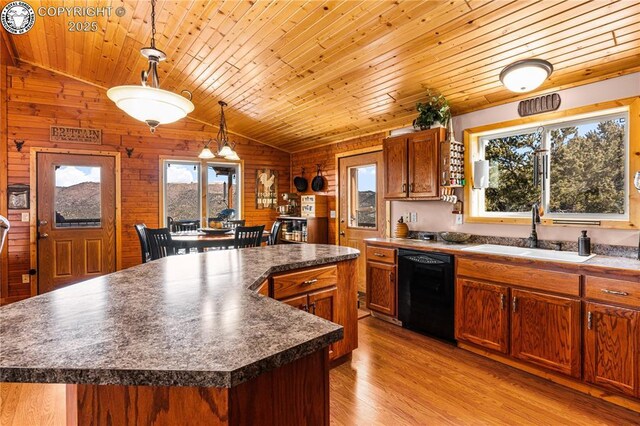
(584, 244)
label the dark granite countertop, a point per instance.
(598, 264)
(192, 320)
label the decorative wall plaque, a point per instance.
(266, 189)
(18, 196)
(539, 105)
(75, 135)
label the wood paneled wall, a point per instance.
(326, 156)
(38, 98)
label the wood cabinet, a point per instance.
(612, 348)
(482, 315)
(329, 292)
(411, 165)
(381, 288)
(545, 330)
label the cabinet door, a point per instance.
(545, 330)
(395, 167)
(482, 316)
(323, 303)
(423, 164)
(612, 348)
(381, 288)
(300, 302)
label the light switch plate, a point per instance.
(332, 214)
(25, 218)
(414, 216)
(458, 219)
(25, 278)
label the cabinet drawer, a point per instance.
(611, 290)
(289, 284)
(523, 276)
(383, 255)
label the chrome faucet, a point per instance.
(535, 218)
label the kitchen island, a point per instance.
(184, 340)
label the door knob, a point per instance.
(42, 222)
(342, 234)
(43, 235)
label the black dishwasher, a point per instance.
(426, 293)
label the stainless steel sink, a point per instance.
(560, 256)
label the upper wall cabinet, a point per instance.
(411, 165)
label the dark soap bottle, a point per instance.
(584, 244)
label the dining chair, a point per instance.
(248, 236)
(181, 226)
(274, 237)
(141, 230)
(160, 243)
(233, 224)
(4, 230)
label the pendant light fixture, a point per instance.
(526, 75)
(224, 146)
(151, 104)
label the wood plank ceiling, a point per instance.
(298, 74)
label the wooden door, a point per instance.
(423, 164)
(381, 288)
(361, 210)
(395, 167)
(612, 348)
(299, 302)
(323, 303)
(76, 208)
(545, 330)
(482, 315)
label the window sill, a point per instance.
(604, 223)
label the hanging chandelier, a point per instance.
(149, 103)
(225, 148)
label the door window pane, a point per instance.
(182, 195)
(77, 196)
(363, 195)
(588, 168)
(223, 197)
(511, 157)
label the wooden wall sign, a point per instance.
(266, 189)
(539, 105)
(75, 135)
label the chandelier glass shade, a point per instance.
(151, 104)
(526, 75)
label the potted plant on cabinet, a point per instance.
(433, 113)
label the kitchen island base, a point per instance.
(294, 393)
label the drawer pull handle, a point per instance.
(404, 187)
(379, 254)
(502, 297)
(616, 292)
(515, 303)
(309, 282)
(589, 321)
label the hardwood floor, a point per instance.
(397, 377)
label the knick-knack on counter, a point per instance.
(402, 230)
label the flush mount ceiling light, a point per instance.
(225, 147)
(526, 75)
(151, 104)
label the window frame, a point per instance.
(181, 162)
(203, 177)
(628, 108)
(355, 198)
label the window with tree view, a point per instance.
(581, 168)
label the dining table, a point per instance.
(200, 240)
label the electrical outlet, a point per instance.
(25, 218)
(25, 278)
(414, 216)
(406, 218)
(458, 219)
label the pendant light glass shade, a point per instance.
(206, 153)
(526, 75)
(151, 105)
(233, 156)
(225, 152)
